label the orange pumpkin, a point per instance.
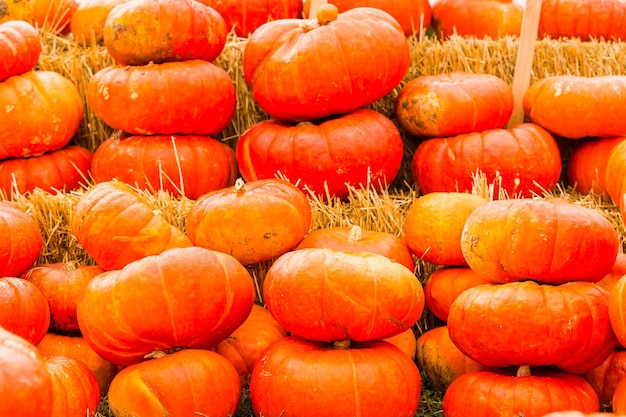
(23, 309)
(405, 341)
(20, 48)
(16, 10)
(478, 18)
(87, 22)
(587, 166)
(619, 397)
(22, 240)
(615, 173)
(53, 16)
(583, 19)
(618, 270)
(605, 377)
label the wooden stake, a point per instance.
(315, 4)
(524, 62)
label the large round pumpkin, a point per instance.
(23, 309)
(583, 19)
(22, 240)
(478, 18)
(20, 48)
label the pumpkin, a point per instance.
(405, 341)
(454, 103)
(619, 397)
(23, 309)
(126, 314)
(188, 382)
(526, 323)
(357, 239)
(618, 269)
(62, 285)
(586, 169)
(566, 241)
(75, 388)
(615, 173)
(605, 377)
(16, 10)
(87, 22)
(576, 106)
(368, 379)
(433, 225)
(583, 19)
(53, 16)
(192, 97)
(522, 160)
(576, 413)
(188, 165)
(61, 170)
(440, 360)
(617, 309)
(328, 295)
(138, 32)
(42, 112)
(305, 69)
(243, 18)
(478, 18)
(254, 222)
(116, 225)
(20, 48)
(362, 148)
(525, 394)
(22, 240)
(25, 384)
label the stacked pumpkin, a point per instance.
(42, 112)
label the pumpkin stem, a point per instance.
(355, 234)
(327, 13)
(342, 344)
(239, 183)
(523, 370)
(155, 354)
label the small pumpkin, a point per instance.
(23, 309)
(478, 18)
(582, 19)
(87, 22)
(587, 166)
(20, 48)
(22, 240)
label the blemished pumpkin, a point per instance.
(254, 221)
(566, 241)
(23, 309)
(583, 19)
(478, 18)
(576, 106)
(373, 379)
(42, 112)
(188, 165)
(87, 22)
(185, 383)
(20, 48)
(138, 32)
(450, 104)
(360, 149)
(22, 241)
(587, 166)
(605, 377)
(329, 295)
(193, 97)
(16, 10)
(526, 323)
(306, 69)
(116, 225)
(522, 160)
(128, 313)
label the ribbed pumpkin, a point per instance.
(605, 377)
(583, 19)
(20, 48)
(146, 306)
(87, 22)
(586, 168)
(305, 69)
(23, 309)
(565, 241)
(22, 240)
(478, 18)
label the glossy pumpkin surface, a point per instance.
(22, 241)
(20, 48)
(23, 309)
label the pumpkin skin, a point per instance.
(617, 310)
(254, 222)
(187, 165)
(619, 269)
(586, 169)
(138, 32)
(310, 292)
(295, 74)
(576, 413)
(87, 22)
(184, 383)
(619, 397)
(370, 379)
(478, 18)
(212, 301)
(582, 19)
(61, 170)
(362, 148)
(44, 111)
(26, 385)
(22, 240)
(53, 16)
(526, 323)
(574, 106)
(605, 377)
(443, 105)
(23, 309)
(20, 48)
(116, 225)
(16, 10)
(193, 97)
(405, 341)
(532, 396)
(567, 242)
(357, 239)
(522, 160)
(615, 174)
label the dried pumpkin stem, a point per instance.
(342, 344)
(523, 370)
(355, 234)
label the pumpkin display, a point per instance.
(116, 225)
(433, 225)
(25, 384)
(605, 377)
(583, 19)
(368, 379)
(576, 106)
(53, 16)
(586, 169)
(450, 104)
(138, 32)
(128, 313)
(349, 295)
(478, 18)
(187, 382)
(16, 10)
(526, 323)
(305, 69)
(522, 160)
(254, 222)
(362, 148)
(22, 240)
(192, 97)
(23, 309)
(87, 22)
(566, 241)
(42, 112)
(20, 48)
(188, 165)
(75, 388)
